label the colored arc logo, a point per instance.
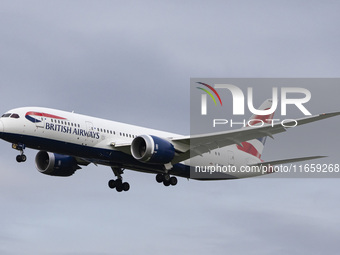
(29, 115)
(209, 93)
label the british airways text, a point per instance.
(70, 130)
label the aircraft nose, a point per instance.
(1, 127)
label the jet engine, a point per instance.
(152, 149)
(55, 164)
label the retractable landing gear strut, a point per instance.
(20, 147)
(166, 179)
(118, 184)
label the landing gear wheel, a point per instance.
(166, 183)
(119, 185)
(166, 177)
(119, 182)
(21, 158)
(159, 178)
(126, 186)
(119, 188)
(112, 184)
(173, 181)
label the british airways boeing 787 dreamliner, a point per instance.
(68, 140)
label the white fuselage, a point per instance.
(94, 139)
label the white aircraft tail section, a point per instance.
(256, 146)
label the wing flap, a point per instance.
(286, 161)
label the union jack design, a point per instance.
(255, 147)
(31, 116)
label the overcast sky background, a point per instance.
(132, 62)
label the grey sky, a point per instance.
(132, 62)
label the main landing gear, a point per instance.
(20, 147)
(166, 179)
(118, 184)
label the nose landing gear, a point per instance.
(20, 147)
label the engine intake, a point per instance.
(55, 164)
(152, 149)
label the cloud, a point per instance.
(132, 62)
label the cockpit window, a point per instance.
(12, 115)
(15, 116)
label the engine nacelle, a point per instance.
(152, 149)
(55, 164)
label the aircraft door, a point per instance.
(89, 139)
(231, 158)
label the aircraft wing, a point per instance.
(190, 146)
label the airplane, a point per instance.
(67, 140)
